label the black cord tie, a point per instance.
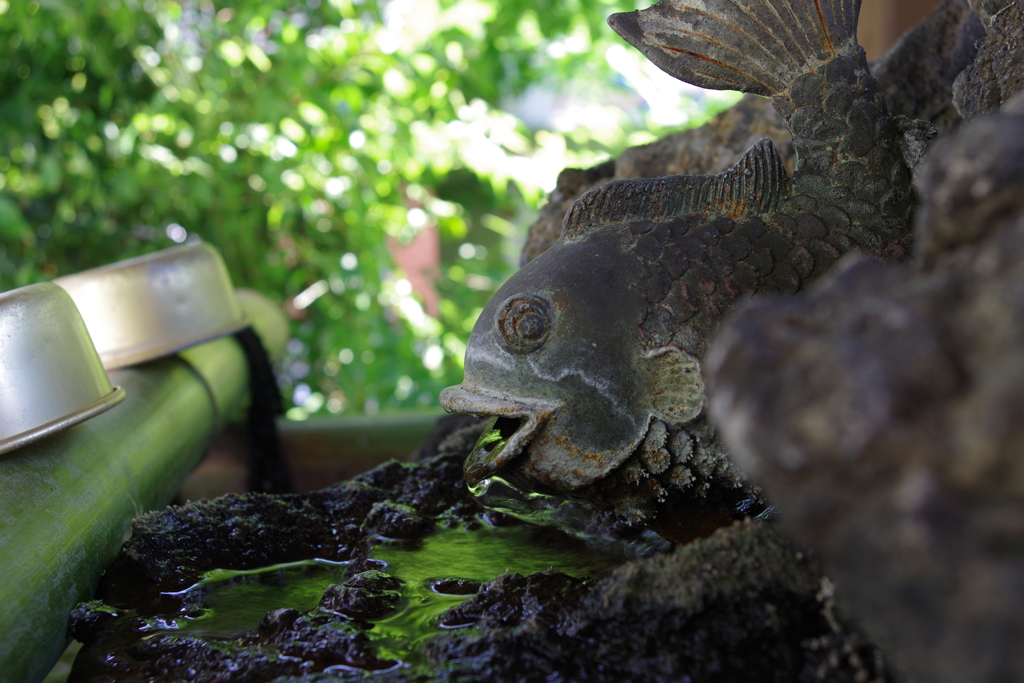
(268, 472)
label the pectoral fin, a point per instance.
(674, 385)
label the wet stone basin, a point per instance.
(397, 606)
(399, 575)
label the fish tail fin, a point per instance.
(755, 46)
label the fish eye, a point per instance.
(524, 323)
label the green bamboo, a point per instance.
(67, 501)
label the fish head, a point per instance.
(556, 359)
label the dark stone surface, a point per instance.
(972, 182)
(368, 595)
(987, 8)
(997, 73)
(286, 643)
(743, 604)
(90, 617)
(172, 549)
(393, 520)
(882, 411)
(543, 598)
(917, 74)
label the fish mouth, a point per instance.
(514, 422)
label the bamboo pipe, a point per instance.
(67, 501)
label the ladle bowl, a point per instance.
(50, 374)
(151, 306)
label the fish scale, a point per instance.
(790, 231)
(590, 355)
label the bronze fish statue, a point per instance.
(589, 357)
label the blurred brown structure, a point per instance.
(420, 260)
(883, 21)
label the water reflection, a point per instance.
(576, 516)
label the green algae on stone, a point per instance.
(739, 601)
(742, 604)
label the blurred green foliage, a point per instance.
(297, 137)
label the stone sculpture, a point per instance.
(882, 411)
(589, 357)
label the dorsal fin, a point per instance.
(756, 46)
(756, 185)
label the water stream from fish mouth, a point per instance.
(503, 492)
(233, 602)
(573, 515)
(506, 492)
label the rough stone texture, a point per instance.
(987, 8)
(975, 183)
(712, 148)
(543, 598)
(172, 549)
(394, 520)
(883, 413)
(286, 643)
(997, 73)
(368, 595)
(917, 74)
(743, 604)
